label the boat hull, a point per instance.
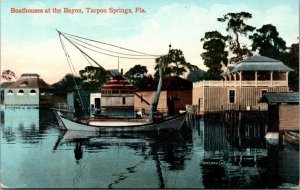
(173, 123)
(291, 137)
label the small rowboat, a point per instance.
(123, 125)
(292, 137)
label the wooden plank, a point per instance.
(289, 117)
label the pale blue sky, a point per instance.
(29, 42)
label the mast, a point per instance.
(153, 107)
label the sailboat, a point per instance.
(153, 123)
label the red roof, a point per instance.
(30, 83)
(118, 82)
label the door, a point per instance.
(97, 103)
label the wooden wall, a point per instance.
(184, 97)
(217, 98)
(148, 96)
(289, 117)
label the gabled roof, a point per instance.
(30, 83)
(171, 83)
(260, 63)
(280, 97)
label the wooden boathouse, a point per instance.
(283, 109)
(242, 86)
(179, 89)
(118, 93)
(28, 91)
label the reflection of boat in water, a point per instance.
(122, 125)
(291, 137)
(157, 151)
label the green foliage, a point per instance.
(267, 41)
(65, 85)
(174, 64)
(8, 75)
(93, 77)
(293, 62)
(236, 25)
(214, 44)
(138, 77)
(196, 75)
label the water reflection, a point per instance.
(204, 154)
(25, 125)
(239, 157)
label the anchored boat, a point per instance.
(123, 125)
(155, 122)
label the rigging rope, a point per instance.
(107, 49)
(112, 45)
(70, 63)
(111, 54)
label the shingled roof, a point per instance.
(25, 82)
(280, 97)
(118, 82)
(260, 63)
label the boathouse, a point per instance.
(283, 110)
(28, 91)
(242, 86)
(117, 93)
(180, 90)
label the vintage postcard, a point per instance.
(192, 94)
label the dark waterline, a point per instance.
(36, 154)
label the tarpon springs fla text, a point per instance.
(78, 10)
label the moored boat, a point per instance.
(291, 137)
(123, 125)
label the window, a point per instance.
(10, 92)
(42, 92)
(124, 100)
(21, 92)
(32, 92)
(231, 96)
(115, 92)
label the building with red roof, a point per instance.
(118, 93)
(29, 91)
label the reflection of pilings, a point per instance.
(248, 124)
(158, 167)
(215, 135)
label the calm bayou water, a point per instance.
(36, 154)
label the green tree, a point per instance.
(66, 84)
(196, 75)
(236, 24)
(8, 75)
(175, 64)
(293, 62)
(214, 44)
(137, 76)
(93, 77)
(267, 41)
